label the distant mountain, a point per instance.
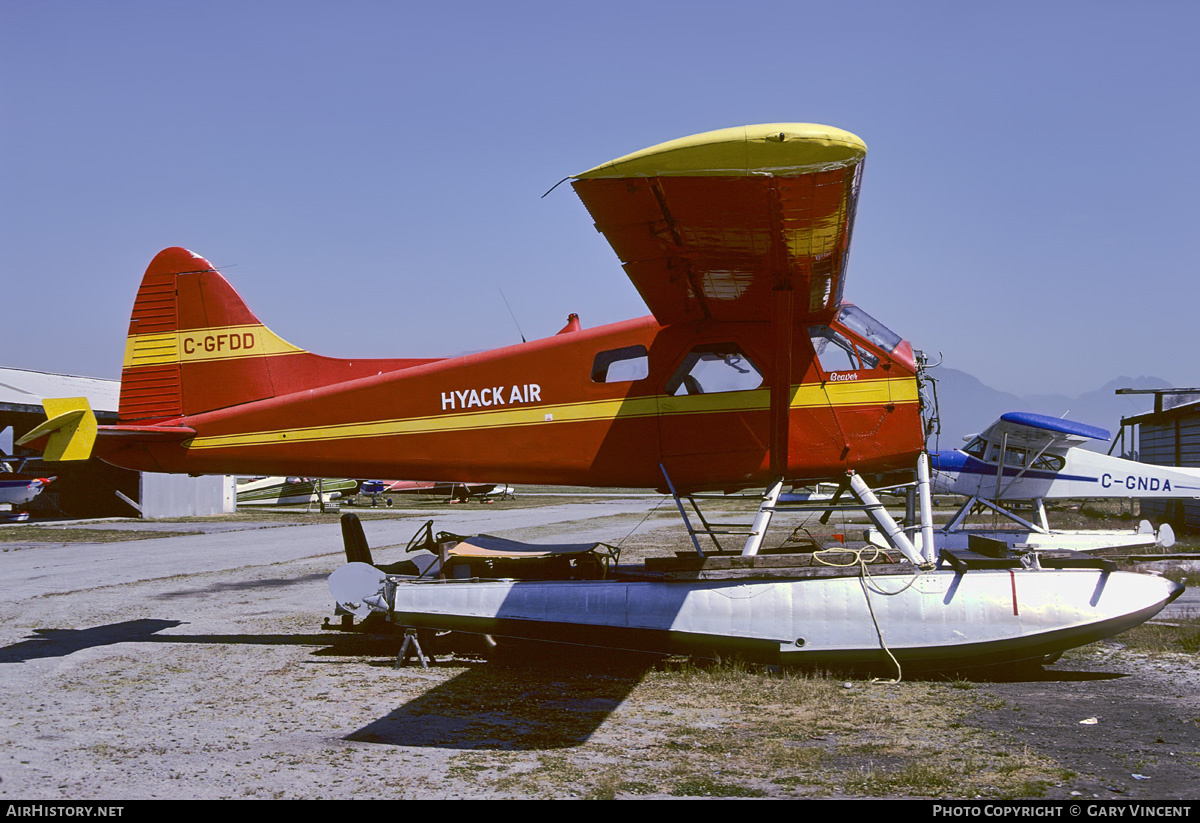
(967, 405)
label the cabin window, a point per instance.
(715, 368)
(1013, 457)
(859, 322)
(836, 352)
(1049, 463)
(621, 365)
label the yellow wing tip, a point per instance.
(764, 148)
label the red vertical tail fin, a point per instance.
(193, 345)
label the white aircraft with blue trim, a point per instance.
(1035, 457)
(17, 489)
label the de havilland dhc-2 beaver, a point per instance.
(751, 371)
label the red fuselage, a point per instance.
(597, 407)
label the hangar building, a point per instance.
(93, 488)
(1168, 436)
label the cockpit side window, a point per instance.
(708, 369)
(836, 352)
(976, 448)
(861, 323)
(621, 365)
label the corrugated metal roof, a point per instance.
(1186, 410)
(23, 388)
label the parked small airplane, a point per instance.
(752, 371)
(1034, 457)
(377, 490)
(291, 491)
(452, 491)
(17, 488)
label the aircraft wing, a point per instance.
(1040, 430)
(707, 226)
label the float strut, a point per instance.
(927, 548)
(892, 533)
(763, 519)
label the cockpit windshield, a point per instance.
(858, 321)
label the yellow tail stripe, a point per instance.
(202, 345)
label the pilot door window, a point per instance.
(836, 352)
(714, 368)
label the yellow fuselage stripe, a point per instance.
(810, 395)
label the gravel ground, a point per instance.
(218, 682)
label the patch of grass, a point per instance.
(606, 787)
(1180, 575)
(609, 785)
(555, 775)
(934, 775)
(465, 770)
(705, 786)
(1095, 512)
(41, 534)
(1176, 635)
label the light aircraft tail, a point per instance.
(193, 345)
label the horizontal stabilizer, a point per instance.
(70, 426)
(149, 434)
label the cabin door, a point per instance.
(714, 415)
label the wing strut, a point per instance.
(781, 379)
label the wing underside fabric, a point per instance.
(711, 239)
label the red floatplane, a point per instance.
(751, 371)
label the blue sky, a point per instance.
(369, 174)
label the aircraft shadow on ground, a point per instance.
(543, 698)
(242, 585)
(62, 642)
